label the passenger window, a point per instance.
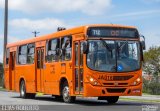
(7, 57)
(76, 54)
(30, 55)
(53, 46)
(81, 55)
(66, 45)
(22, 55)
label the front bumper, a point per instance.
(97, 91)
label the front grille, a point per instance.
(108, 84)
(121, 78)
(117, 90)
(122, 83)
(112, 84)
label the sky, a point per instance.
(44, 16)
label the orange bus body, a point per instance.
(48, 77)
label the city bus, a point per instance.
(103, 61)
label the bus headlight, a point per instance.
(137, 81)
(93, 81)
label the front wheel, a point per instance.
(112, 99)
(65, 94)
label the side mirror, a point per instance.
(142, 41)
(85, 47)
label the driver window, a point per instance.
(133, 53)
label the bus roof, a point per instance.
(71, 31)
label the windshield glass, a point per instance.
(113, 56)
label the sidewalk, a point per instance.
(143, 97)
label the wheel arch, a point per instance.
(62, 81)
(20, 80)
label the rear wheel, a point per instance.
(112, 99)
(65, 94)
(23, 93)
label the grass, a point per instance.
(140, 100)
(2, 89)
(146, 94)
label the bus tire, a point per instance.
(23, 93)
(65, 94)
(112, 99)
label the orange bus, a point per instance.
(103, 61)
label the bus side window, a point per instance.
(66, 45)
(30, 54)
(52, 53)
(81, 55)
(22, 55)
(7, 57)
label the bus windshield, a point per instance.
(113, 56)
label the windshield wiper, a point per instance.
(121, 46)
(106, 45)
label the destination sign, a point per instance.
(112, 32)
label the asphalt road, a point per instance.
(48, 103)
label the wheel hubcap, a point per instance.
(66, 93)
(22, 89)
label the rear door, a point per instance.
(39, 69)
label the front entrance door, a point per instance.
(78, 69)
(39, 68)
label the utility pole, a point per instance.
(5, 33)
(35, 33)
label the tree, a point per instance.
(152, 62)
